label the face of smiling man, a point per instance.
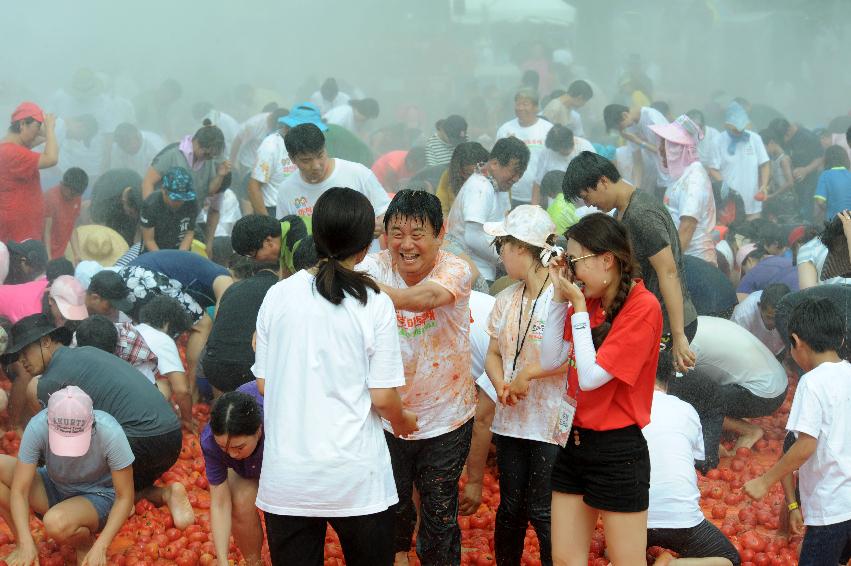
(414, 247)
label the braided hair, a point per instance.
(600, 233)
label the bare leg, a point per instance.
(626, 537)
(572, 527)
(748, 433)
(73, 521)
(174, 496)
(38, 496)
(19, 409)
(245, 526)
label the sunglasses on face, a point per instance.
(571, 262)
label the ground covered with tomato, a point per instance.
(149, 538)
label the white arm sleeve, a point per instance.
(478, 242)
(554, 348)
(591, 376)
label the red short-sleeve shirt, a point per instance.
(64, 214)
(630, 353)
(21, 201)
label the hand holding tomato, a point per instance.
(24, 555)
(756, 488)
(407, 425)
(518, 388)
(96, 556)
(471, 498)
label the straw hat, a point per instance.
(99, 243)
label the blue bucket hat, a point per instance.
(177, 182)
(304, 113)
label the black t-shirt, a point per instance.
(803, 148)
(170, 225)
(839, 295)
(711, 291)
(236, 319)
(651, 230)
(115, 387)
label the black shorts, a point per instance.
(704, 540)
(610, 469)
(227, 376)
(154, 456)
(742, 404)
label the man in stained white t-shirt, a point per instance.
(532, 131)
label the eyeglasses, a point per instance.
(571, 262)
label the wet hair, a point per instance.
(580, 89)
(236, 414)
(75, 179)
(600, 233)
(57, 267)
(329, 89)
(251, 230)
(770, 234)
(528, 93)
(613, 116)
(665, 367)
(769, 136)
(242, 267)
(210, 137)
(559, 138)
(16, 126)
(663, 107)
(697, 116)
(818, 323)
(779, 126)
(99, 332)
(552, 182)
(304, 254)
(366, 107)
(509, 148)
(772, 294)
(304, 139)
(584, 172)
(343, 225)
(163, 310)
(836, 156)
(464, 155)
(420, 206)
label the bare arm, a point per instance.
(764, 175)
(471, 496)
(419, 298)
(220, 519)
(255, 197)
(183, 398)
(48, 230)
(686, 231)
(186, 244)
(714, 174)
(388, 405)
(19, 509)
(672, 295)
(493, 368)
(807, 275)
(122, 481)
(786, 165)
(152, 177)
(799, 453)
(212, 224)
(536, 193)
(50, 156)
(149, 239)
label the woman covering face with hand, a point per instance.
(608, 326)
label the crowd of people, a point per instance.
(603, 311)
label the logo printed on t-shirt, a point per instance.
(302, 206)
(410, 327)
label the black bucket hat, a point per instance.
(31, 329)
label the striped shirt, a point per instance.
(438, 152)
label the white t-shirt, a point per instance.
(730, 355)
(550, 160)
(652, 174)
(481, 305)
(534, 137)
(746, 314)
(252, 133)
(272, 167)
(161, 344)
(324, 106)
(295, 196)
(151, 146)
(477, 202)
(325, 454)
(535, 417)
(741, 170)
(343, 115)
(674, 440)
(822, 409)
(229, 213)
(691, 195)
(707, 148)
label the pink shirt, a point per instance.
(18, 301)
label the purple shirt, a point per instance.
(772, 269)
(188, 151)
(218, 461)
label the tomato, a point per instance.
(764, 517)
(761, 559)
(478, 521)
(753, 541)
(737, 465)
(169, 552)
(719, 511)
(198, 536)
(716, 492)
(463, 522)
(152, 550)
(743, 452)
(173, 534)
(714, 474)
(485, 560)
(207, 559)
(746, 555)
(187, 558)
(733, 499)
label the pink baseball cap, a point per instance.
(743, 254)
(70, 416)
(70, 297)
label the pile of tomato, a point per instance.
(149, 538)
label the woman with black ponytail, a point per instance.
(608, 325)
(328, 362)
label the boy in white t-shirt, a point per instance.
(532, 131)
(821, 420)
(756, 314)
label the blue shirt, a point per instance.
(771, 269)
(194, 272)
(834, 187)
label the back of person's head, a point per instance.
(780, 126)
(551, 183)
(580, 89)
(366, 107)
(165, 313)
(584, 172)
(329, 89)
(343, 226)
(665, 367)
(697, 116)
(57, 267)
(304, 254)
(600, 233)
(236, 414)
(771, 236)
(304, 139)
(418, 206)
(818, 323)
(770, 136)
(531, 79)
(772, 294)
(99, 332)
(836, 156)
(528, 93)
(415, 160)
(507, 149)
(613, 116)
(27, 261)
(465, 155)
(222, 250)
(250, 231)
(559, 138)
(210, 138)
(76, 180)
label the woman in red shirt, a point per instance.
(610, 335)
(21, 201)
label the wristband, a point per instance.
(792, 506)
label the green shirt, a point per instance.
(344, 144)
(562, 213)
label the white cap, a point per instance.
(528, 223)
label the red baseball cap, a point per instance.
(28, 110)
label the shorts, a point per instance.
(704, 540)
(154, 456)
(102, 500)
(742, 404)
(227, 376)
(610, 469)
